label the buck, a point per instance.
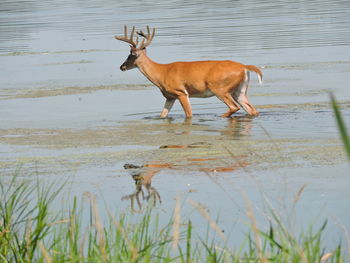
(142, 176)
(227, 80)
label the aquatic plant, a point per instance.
(31, 232)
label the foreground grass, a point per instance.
(30, 232)
(341, 126)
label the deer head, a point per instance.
(135, 50)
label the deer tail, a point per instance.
(256, 70)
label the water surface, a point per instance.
(67, 111)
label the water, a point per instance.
(67, 110)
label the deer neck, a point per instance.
(152, 70)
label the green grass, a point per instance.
(341, 125)
(31, 232)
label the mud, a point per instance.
(198, 146)
(42, 92)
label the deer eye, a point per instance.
(132, 55)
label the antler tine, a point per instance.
(148, 31)
(148, 37)
(132, 33)
(142, 44)
(137, 41)
(132, 36)
(125, 37)
(125, 31)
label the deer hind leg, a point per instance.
(249, 108)
(240, 95)
(231, 104)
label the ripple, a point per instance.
(247, 26)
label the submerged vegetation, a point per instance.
(31, 232)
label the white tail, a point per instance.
(257, 71)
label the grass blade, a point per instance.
(341, 125)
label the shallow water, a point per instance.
(67, 111)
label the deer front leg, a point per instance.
(167, 107)
(186, 105)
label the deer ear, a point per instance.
(143, 50)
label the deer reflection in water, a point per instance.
(235, 127)
(142, 175)
(238, 127)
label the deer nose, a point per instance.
(123, 67)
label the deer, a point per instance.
(142, 176)
(227, 80)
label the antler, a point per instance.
(152, 192)
(133, 196)
(148, 37)
(127, 39)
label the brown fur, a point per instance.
(227, 80)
